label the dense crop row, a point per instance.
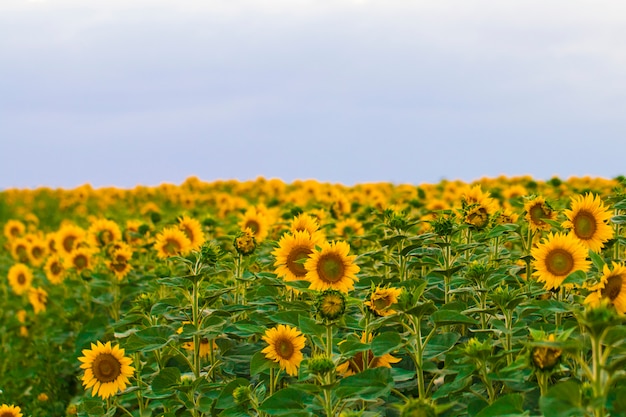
(261, 298)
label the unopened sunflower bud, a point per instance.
(321, 365)
(242, 395)
(211, 253)
(330, 305)
(418, 407)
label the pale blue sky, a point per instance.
(128, 92)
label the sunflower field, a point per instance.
(501, 297)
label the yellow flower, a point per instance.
(13, 229)
(304, 222)
(193, 229)
(54, 269)
(293, 250)
(612, 287)
(588, 220)
(285, 344)
(257, 222)
(10, 411)
(68, 237)
(544, 357)
(332, 267)
(38, 299)
(556, 257)
(537, 210)
(80, 259)
(106, 369)
(20, 278)
(172, 242)
(120, 261)
(348, 228)
(382, 299)
(357, 363)
(103, 232)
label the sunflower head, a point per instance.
(556, 257)
(245, 242)
(330, 305)
(331, 267)
(382, 299)
(7, 410)
(285, 344)
(545, 357)
(538, 210)
(107, 369)
(588, 221)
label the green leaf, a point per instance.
(369, 385)
(351, 346)
(422, 309)
(621, 219)
(386, 342)
(509, 405)
(440, 343)
(447, 317)
(310, 327)
(165, 380)
(260, 363)
(149, 339)
(562, 400)
(288, 401)
(597, 260)
(577, 278)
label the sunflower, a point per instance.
(13, 229)
(19, 249)
(103, 232)
(348, 228)
(293, 250)
(131, 232)
(119, 262)
(556, 257)
(193, 229)
(68, 237)
(476, 216)
(330, 266)
(546, 358)
(20, 278)
(306, 222)
(10, 411)
(37, 251)
(537, 211)
(54, 269)
(475, 196)
(612, 287)
(257, 222)
(205, 346)
(38, 298)
(285, 344)
(172, 241)
(382, 299)
(588, 221)
(106, 369)
(357, 363)
(80, 259)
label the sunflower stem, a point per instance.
(196, 336)
(600, 378)
(137, 360)
(329, 341)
